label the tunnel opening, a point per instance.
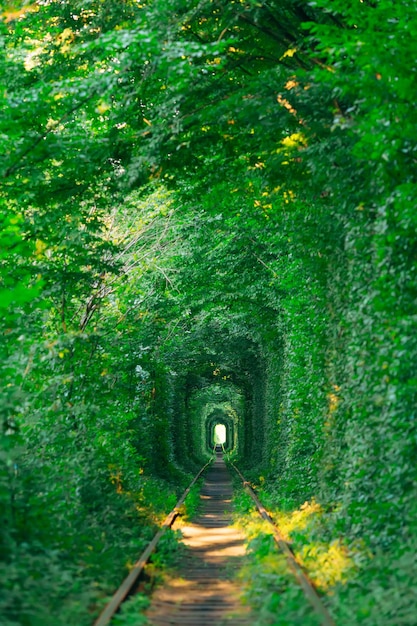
(219, 434)
(209, 404)
(221, 429)
(222, 384)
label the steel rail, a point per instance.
(122, 592)
(296, 568)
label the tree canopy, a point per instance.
(207, 208)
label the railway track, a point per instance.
(202, 591)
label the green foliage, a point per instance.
(272, 592)
(358, 587)
(131, 613)
(192, 501)
(167, 551)
(206, 207)
(386, 590)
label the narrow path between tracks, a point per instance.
(202, 591)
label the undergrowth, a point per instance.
(356, 585)
(192, 501)
(163, 559)
(64, 579)
(131, 613)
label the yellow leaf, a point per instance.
(102, 107)
(290, 84)
(40, 247)
(66, 35)
(289, 53)
(9, 16)
(296, 139)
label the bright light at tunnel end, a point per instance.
(220, 434)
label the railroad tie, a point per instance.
(203, 591)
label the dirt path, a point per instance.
(203, 593)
